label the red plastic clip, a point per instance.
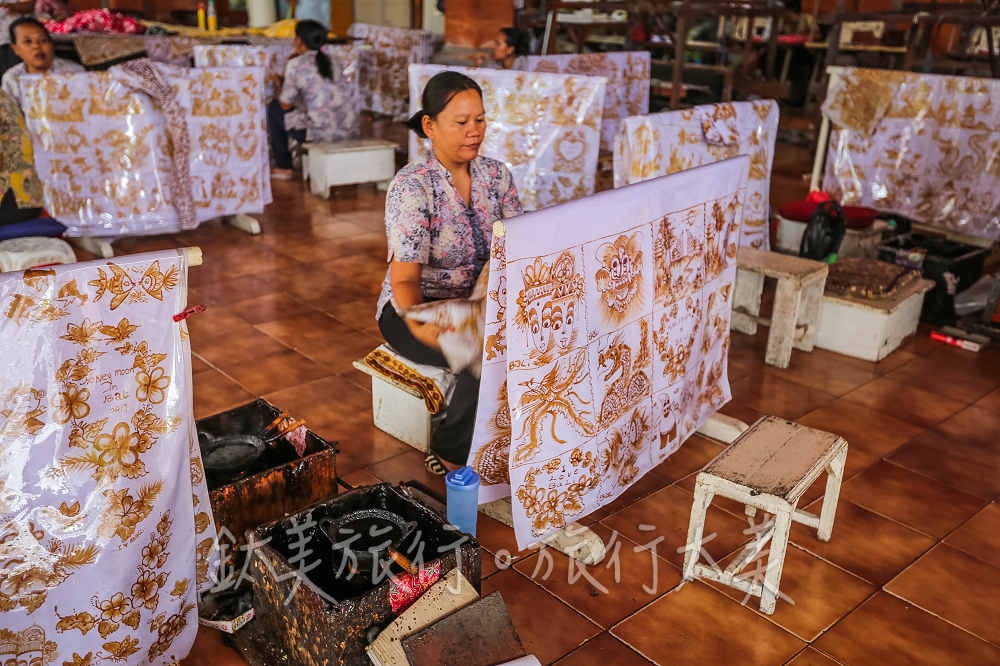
(193, 310)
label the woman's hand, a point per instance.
(426, 334)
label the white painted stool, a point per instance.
(327, 165)
(768, 467)
(794, 320)
(399, 409)
(18, 254)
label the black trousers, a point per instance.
(452, 438)
(279, 135)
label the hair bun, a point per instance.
(416, 123)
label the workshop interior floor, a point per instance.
(911, 575)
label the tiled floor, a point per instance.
(912, 574)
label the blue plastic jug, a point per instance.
(463, 498)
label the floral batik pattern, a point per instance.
(627, 75)
(607, 339)
(109, 167)
(925, 146)
(545, 127)
(16, 155)
(665, 143)
(105, 513)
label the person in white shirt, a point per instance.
(33, 45)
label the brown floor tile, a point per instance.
(357, 478)
(359, 315)
(198, 364)
(603, 650)
(629, 578)
(889, 631)
(966, 377)
(820, 369)
(548, 628)
(814, 593)
(909, 498)
(266, 308)
(980, 537)
(697, 625)
(966, 467)
(868, 432)
(773, 395)
(409, 466)
(893, 361)
(974, 425)
(905, 401)
(811, 657)
(244, 347)
(956, 587)
(214, 393)
(742, 411)
(273, 372)
(991, 401)
(499, 539)
(322, 338)
(665, 514)
(864, 543)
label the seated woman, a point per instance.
(33, 45)
(509, 44)
(439, 215)
(307, 106)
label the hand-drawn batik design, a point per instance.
(623, 363)
(925, 146)
(103, 475)
(663, 143)
(588, 417)
(109, 156)
(551, 399)
(678, 249)
(619, 279)
(550, 306)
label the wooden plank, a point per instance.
(480, 634)
(777, 265)
(776, 457)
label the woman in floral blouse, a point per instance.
(310, 99)
(439, 215)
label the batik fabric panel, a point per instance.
(108, 530)
(545, 127)
(627, 75)
(606, 341)
(925, 146)
(383, 73)
(664, 143)
(103, 152)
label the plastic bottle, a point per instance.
(463, 498)
(201, 16)
(213, 21)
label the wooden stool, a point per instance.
(348, 162)
(795, 318)
(768, 467)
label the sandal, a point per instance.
(434, 465)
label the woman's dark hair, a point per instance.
(24, 20)
(313, 36)
(437, 93)
(519, 39)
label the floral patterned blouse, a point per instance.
(322, 106)
(427, 222)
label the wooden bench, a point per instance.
(769, 467)
(795, 318)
